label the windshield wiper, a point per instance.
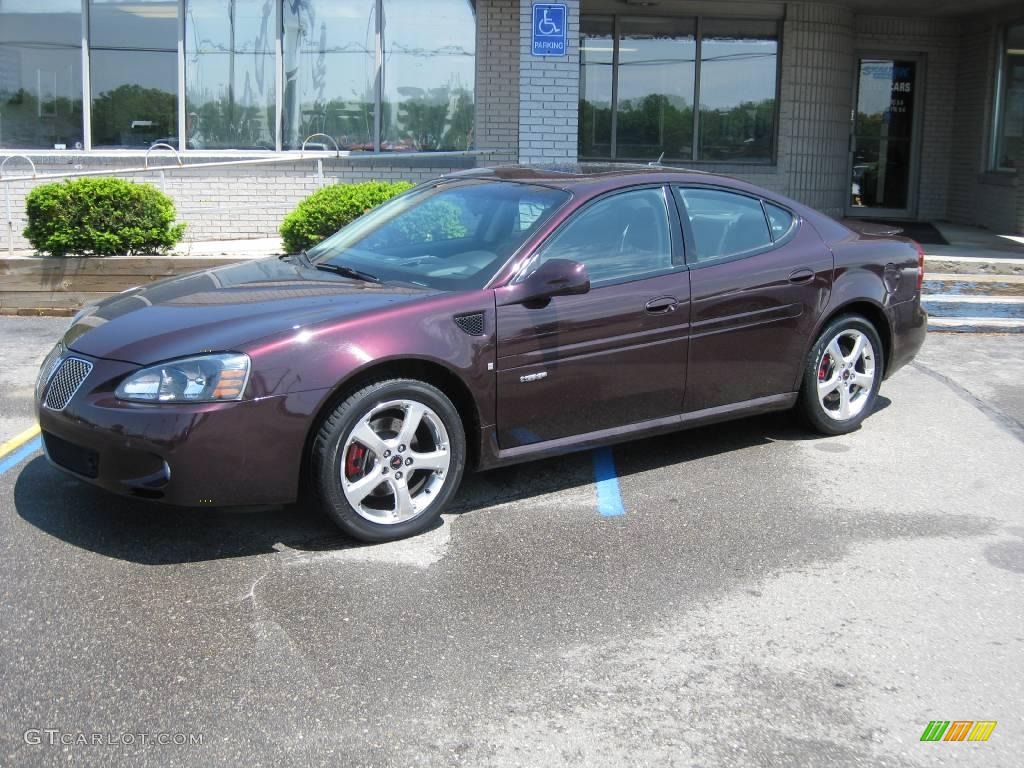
(301, 256)
(350, 272)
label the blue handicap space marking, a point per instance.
(609, 497)
(550, 36)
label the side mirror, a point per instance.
(555, 277)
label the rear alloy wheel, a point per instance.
(388, 459)
(842, 377)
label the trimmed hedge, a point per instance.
(100, 217)
(329, 209)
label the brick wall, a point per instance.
(233, 202)
(816, 94)
(992, 199)
(497, 78)
(548, 93)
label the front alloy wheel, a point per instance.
(397, 458)
(842, 376)
(388, 459)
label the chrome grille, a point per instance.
(47, 368)
(65, 382)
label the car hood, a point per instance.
(222, 309)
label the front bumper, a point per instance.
(247, 452)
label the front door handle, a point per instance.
(662, 305)
(801, 276)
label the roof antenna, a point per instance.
(656, 163)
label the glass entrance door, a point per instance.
(883, 145)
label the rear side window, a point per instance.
(780, 220)
(723, 223)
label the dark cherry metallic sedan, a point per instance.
(485, 318)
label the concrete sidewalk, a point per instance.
(975, 243)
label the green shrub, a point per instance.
(329, 209)
(101, 217)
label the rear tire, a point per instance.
(388, 459)
(842, 376)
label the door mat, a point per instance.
(921, 231)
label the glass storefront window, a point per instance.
(597, 52)
(329, 72)
(40, 74)
(641, 107)
(229, 74)
(371, 75)
(654, 116)
(1009, 149)
(737, 89)
(428, 76)
(134, 72)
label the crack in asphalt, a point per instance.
(1003, 420)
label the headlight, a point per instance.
(201, 379)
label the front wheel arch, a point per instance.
(426, 371)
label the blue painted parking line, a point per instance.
(609, 497)
(14, 459)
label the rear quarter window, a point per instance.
(780, 220)
(723, 223)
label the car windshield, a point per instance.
(453, 235)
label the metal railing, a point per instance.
(161, 171)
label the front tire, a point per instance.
(842, 375)
(388, 459)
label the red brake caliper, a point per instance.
(355, 461)
(823, 368)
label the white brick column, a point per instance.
(497, 80)
(816, 99)
(549, 92)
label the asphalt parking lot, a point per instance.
(767, 598)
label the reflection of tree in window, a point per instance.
(229, 68)
(329, 72)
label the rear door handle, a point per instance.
(801, 276)
(662, 305)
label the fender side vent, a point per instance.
(472, 323)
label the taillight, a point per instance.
(920, 265)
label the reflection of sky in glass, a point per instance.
(427, 47)
(874, 91)
(735, 71)
(649, 65)
(428, 60)
(732, 71)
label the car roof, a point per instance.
(570, 176)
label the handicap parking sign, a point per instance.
(550, 36)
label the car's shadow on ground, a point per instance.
(149, 533)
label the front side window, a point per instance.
(41, 74)
(723, 224)
(1009, 148)
(449, 236)
(621, 237)
(134, 72)
(640, 89)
